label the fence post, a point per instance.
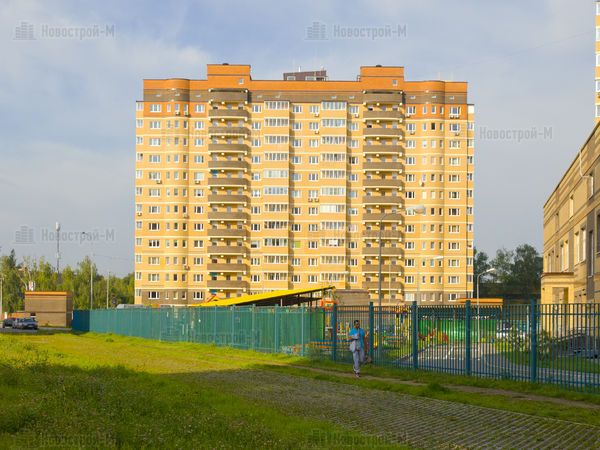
(302, 311)
(468, 337)
(233, 326)
(533, 339)
(276, 326)
(415, 335)
(253, 327)
(215, 327)
(334, 333)
(371, 331)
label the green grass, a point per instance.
(568, 362)
(70, 391)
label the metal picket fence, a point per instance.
(558, 344)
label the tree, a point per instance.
(527, 271)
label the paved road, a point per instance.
(399, 418)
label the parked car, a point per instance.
(26, 324)
(8, 322)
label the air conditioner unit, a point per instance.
(186, 216)
(186, 267)
(158, 181)
(316, 114)
(316, 131)
(177, 113)
(408, 115)
(139, 214)
(196, 181)
(412, 132)
(456, 133)
(357, 115)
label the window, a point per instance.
(256, 108)
(155, 107)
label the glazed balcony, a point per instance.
(227, 268)
(381, 150)
(388, 114)
(227, 216)
(228, 165)
(227, 199)
(224, 114)
(228, 148)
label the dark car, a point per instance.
(26, 324)
(8, 322)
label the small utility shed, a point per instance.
(54, 309)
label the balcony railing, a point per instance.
(383, 166)
(378, 132)
(375, 183)
(227, 165)
(227, 216)
(382, 150)
(385, 251)
(388, 114)
(226, 285)
(382, 217)
(228, 131)
(224, 113)
(382, 200)
(382, 98)
(228, 96)
(227, 267)
(222, 250)
(227, 182)
(227, 233)
(227, 199)
(228, 148)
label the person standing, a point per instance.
(357, 346)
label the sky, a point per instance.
(67, 97)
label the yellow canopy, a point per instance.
(283, 297)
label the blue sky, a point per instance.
(67, 105)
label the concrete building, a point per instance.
(572, 221)
(245, 186)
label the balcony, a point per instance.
(227, 199)
(227, 233)
(222, 250)
(382, 200)
(380, 132)
(385, 268)
(383, 166)
(378, 98)
(227, 182)
(380, 183)
(385, 251)
(385, 234)
(227, 216)
(388, 114)
(228, 165)
(385, 285)
(226, 267)
(382, 217)
(380, 150)
(227, 285)
(228, 97)
(228, 148)
(228, 131)
(225, 113)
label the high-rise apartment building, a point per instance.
(597, 97)
(245, 186)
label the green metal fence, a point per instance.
(266, 329)
(557, 344)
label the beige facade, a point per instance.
(597, 97)
(245, 186)
(571, 226)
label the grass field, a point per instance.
(66, 390)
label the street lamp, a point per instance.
(490, 270)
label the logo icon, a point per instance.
(24, 32)
(24, 235)
(316, 32)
